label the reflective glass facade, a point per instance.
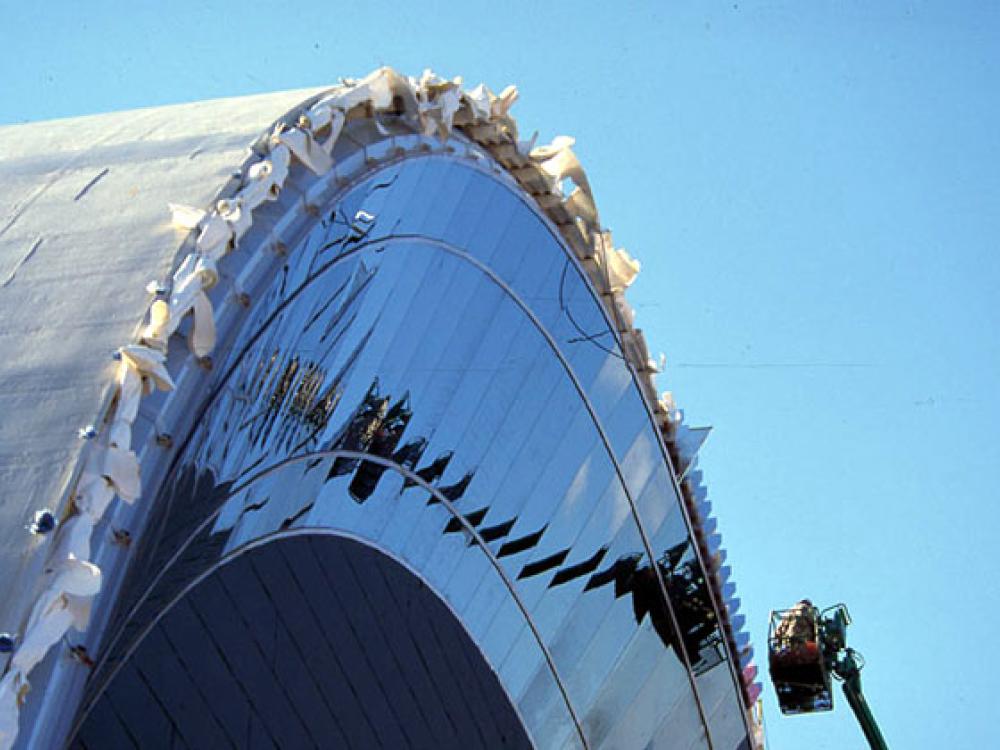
(431, 375)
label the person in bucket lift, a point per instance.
(796, 634)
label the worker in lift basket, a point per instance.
(796, 634)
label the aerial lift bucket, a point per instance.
(796, 660)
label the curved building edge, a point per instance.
(405, 114)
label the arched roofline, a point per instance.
(318, 136)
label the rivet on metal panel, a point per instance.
(157, 287)
(121, 537)
(43, 522)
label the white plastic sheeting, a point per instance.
(111, 468)
(63, 604)
(305, 148)
(13, 688)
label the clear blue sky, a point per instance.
(813, 191)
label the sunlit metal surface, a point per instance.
(432, 319)
(310, 641)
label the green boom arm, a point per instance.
(848, 670)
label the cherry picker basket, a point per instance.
(797, 662)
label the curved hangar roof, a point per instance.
(101, 284)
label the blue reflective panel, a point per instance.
(478, 203)
(503, 388)
(639, 722)
(421, 201)
(643, 661)
(505, 209)
(306, 642)
(400, 197)
(450, 202)
(582, 331)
